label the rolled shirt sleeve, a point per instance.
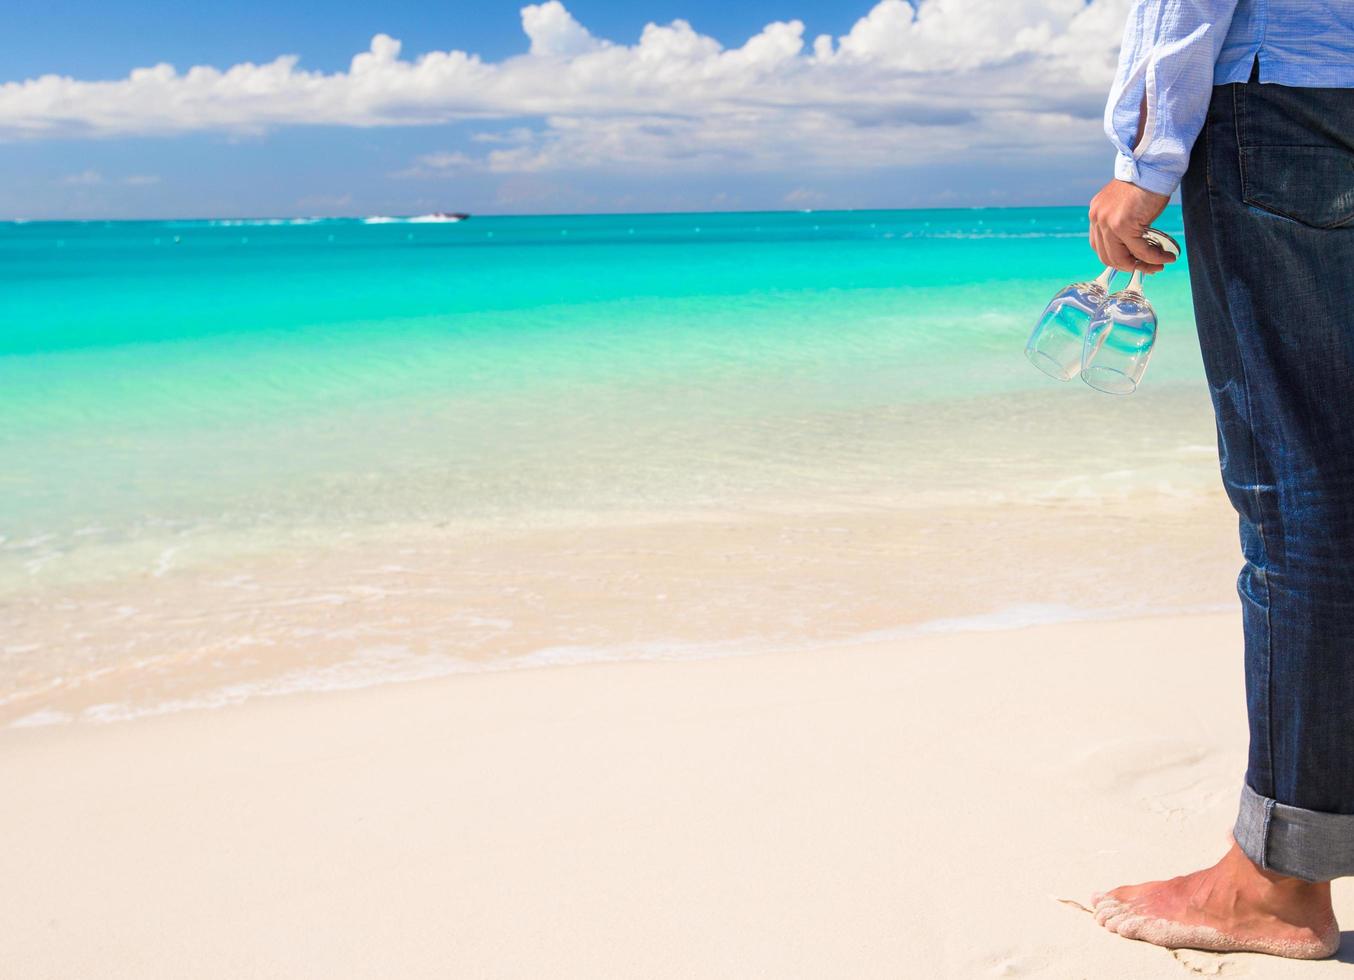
(1168, 54)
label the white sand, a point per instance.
(898, 810)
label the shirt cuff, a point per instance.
(1146, 176)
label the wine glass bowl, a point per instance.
(1119, 341)
(1057, 344)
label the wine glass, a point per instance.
(1059, 339)
(1119, 341)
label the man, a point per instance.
(1251, 104)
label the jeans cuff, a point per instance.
(1288, 840)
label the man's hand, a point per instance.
(1120, 213)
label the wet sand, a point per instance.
(412, 601)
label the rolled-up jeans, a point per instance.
(1269, 223)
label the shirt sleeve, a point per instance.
(1168, 54)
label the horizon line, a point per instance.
(544, 214)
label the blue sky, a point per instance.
(586, 105)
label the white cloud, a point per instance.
(946, 80)
(554, 33)
(958, 34)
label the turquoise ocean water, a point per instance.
(169, 374)
(181, 391)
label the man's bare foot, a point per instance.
(1233, 906)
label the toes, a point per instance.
(1133, 926)
(1120, 920)
(1107, 910)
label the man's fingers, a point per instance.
(1098, 243)
(1147, 254)
(1116, 253)
(1142, 257)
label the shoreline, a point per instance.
(916, 806)
(423, 601)
(386, 672)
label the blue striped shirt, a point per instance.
(1175, 51)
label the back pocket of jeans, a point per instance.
(1313, 185)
